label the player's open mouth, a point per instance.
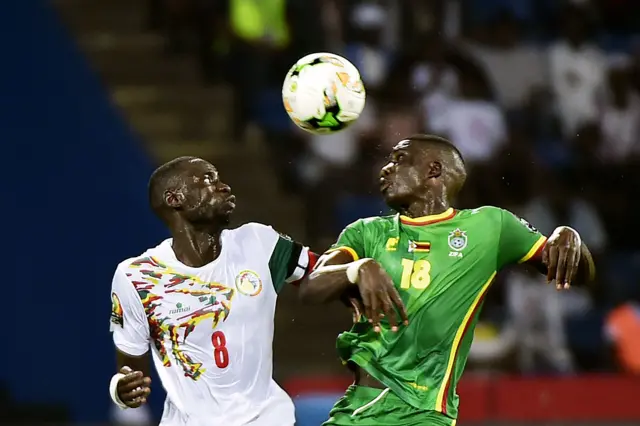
(231, 202)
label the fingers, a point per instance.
(137, 402)
(573, 261)
(386, 303)
(134, 388)
(131, 381)
(397, 303)
(389, 311)
(358, 308)
(381, 299)
(375, 311)
(561, 266)
(552, 262)
(136, 395)
(366, 301)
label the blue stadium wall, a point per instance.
(74, 205)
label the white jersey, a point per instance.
(210, 329)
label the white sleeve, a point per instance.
(128, 319)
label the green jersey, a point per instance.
(442, 266)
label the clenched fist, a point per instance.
(133, 389)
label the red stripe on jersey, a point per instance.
(538, 253)
(313, 260)
(464, 333)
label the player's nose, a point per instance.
(224, 188)
(386, 170)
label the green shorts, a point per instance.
(364, 406)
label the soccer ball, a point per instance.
(323, 93)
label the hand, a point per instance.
(379, 296)
(561, 255)
(133, 388)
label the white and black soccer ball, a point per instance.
(323, 93)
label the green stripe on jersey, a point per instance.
(279, 262)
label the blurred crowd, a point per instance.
(542, 97)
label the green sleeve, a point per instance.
(351, 240)
(284, 263)
(519, 241)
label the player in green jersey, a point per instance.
(429, 267)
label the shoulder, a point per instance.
(122, 284)
(159, 250)
(483, 212)
(370, 224)
(504, 219)
(490, 218)
(373, 221)
(254, 229)
(254, 232)
(149, 259)
(127, 264)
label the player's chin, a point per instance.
(392, 199)
(224, 217)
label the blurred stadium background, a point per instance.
(541, 96)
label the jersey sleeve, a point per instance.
(351, 240)
(129, 324)
(519, 240)
(289, 261)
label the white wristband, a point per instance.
(354, 268)
(113, 390)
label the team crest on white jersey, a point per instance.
(457, 240)
(248, 283)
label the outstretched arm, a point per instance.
(562, 257)
(362, 283)
(329, 280)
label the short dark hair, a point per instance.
(163, 177)
(439, 141)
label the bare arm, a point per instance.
(134, 388)
(130, 332)
(136, 363)
(329, 280)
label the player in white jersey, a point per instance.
(203, 304)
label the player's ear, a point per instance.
(173, 198)
(435, 169)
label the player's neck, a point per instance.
(426, 208)
(196, 247)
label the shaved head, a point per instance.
(440, 149)
(170, 175)
(423, 170)
(189, 189)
